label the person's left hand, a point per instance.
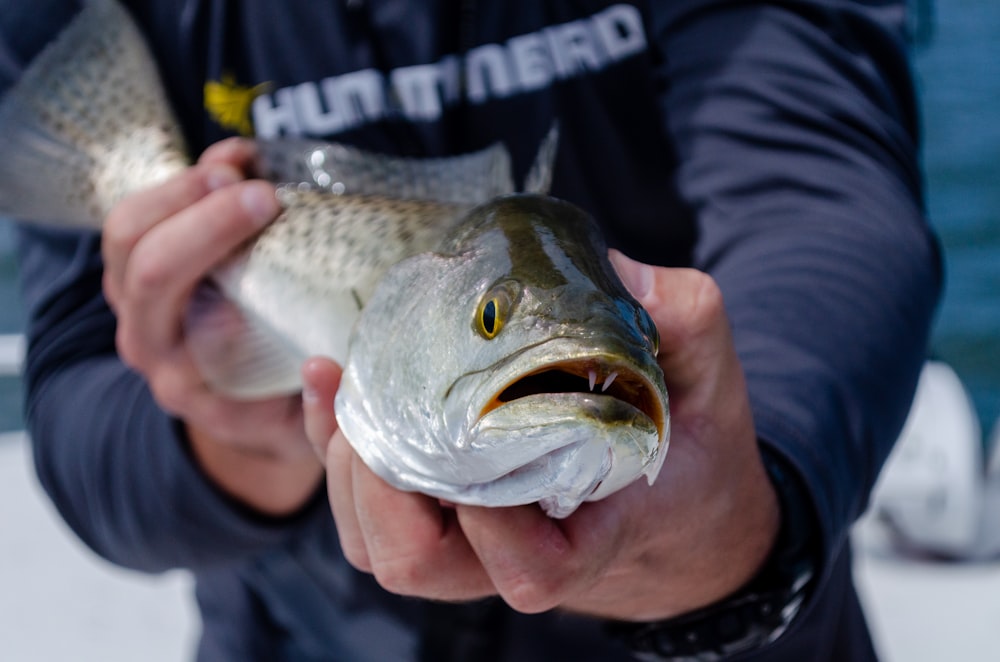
(698, 534)
(157, 245)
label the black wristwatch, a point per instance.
(758, 613)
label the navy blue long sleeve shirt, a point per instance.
(772, 144)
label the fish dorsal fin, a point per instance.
(87, 123)
(539, 179)
(470, 178)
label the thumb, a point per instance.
(687, 308)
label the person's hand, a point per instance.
(157, 245)
(698, 534)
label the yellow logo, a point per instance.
(229, 103)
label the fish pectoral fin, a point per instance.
(236, 357)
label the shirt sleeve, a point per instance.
(25, 28)
(116, 466)
(796, 135)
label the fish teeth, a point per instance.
(608, 382)
(605, 383)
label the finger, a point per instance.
(339, 460)
(320, 380)
(129, 221)
(241, 153)
(688, 310)
(414, 546)
(254, 425)
(173, 257)
(537, 563)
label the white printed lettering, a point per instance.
(620, 30)
(487, 74)
(360, 95)
(574, 48)
(272, 118)
(424, 90)
(523, 64)
(532, 61)
(314, 118)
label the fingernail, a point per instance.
(259, 201)
(636, 276)
(221, 176)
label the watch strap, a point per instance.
(756, 614)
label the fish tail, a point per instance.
(87, 124)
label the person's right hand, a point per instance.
(644, 553)
(158, 244)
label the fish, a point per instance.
(491, 354)
(537, 381)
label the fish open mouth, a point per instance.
(589, 377)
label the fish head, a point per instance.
(520, 371)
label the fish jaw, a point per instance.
(605, 407)
(520, 444)
(603, 444)
(583, 375)
(557, 450)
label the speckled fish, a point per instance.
(491, 355)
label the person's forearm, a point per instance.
(116, 466)
(799, 156)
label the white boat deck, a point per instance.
(58, 601)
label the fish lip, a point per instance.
(572, 375)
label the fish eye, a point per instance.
(489, 319)
(494, 309)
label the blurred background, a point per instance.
(926, 600)
(957, 61)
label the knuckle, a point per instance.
(190, 185)
(706, 306)
(147, 272)
(174, 389)
(215, 416)
(136, 213)
(110, 287)
(167, 392)
(319, 446)
(357, 556)
(532, 592)
(235, 150)
(130, 347)
(402, 575)
(119, 233)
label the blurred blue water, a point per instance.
(11, 321)
(960, 90)
(959, 82)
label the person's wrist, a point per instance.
(760, 611)
(271, 484)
